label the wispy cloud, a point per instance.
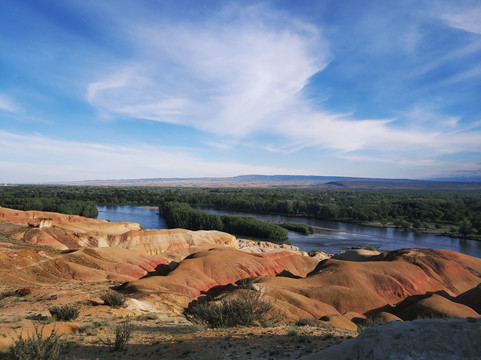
(464, 18)
(274, 83)
(7, 104)
(44, 159)
(246, 74)
(229, 78)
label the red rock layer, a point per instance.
(29, 266)
(205, 270)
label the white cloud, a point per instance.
(7, 104)
(46, 159)
(229, 79)
(424, 163)
(243, 74)
(467, 19)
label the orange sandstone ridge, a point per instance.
(64, 232)
(172, 268)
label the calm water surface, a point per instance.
(148, 218)
(328, 241)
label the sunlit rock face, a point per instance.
(178, 266)
(402, 284)
(204, 270)
(62, 232)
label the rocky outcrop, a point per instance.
(177, 266)
(435, 306)
(39, 219)
(170, 241)
(340, 287)
(62, 232)
(266, 247)
(356, 255)
(29, 266)
(444, 339)
(471, 298)
(205, 271)
(369, 287)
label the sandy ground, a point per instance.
(155, 335)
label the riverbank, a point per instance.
(330, 236)
(444, 231)
(316, 228)
(438, 232)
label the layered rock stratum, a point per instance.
(62, 232)
(59, 256)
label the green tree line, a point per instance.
(406, 208)
(85, 208)
(181, 215)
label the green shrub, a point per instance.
(23, 292)
(293, 331)
(123, 332)
(307, 322)
(248, 309)
(366, 247)
(114, 299)
(313, 252)
(90, 329)
(7, 293)
(301, 228)
(370, 322)
(35, 346)
(65, 312)
(246, 284)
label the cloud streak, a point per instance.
(229, 79)
(27, 157)
(7, 104)
(326, 88)
(466, 19)
(247, 75)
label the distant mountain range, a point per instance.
(311, 181)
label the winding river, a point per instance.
(341, 236)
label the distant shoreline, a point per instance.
(437, 232)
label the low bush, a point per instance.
(65, 312)
(307, 322)
(114, 299)
(90, 329)
(313, 252)
(123, 332)
(297, 227)
(248, 309)
(365, 247)
(370, 322)
(36, 346)
(7, 293)
(23, 292)
(246, 284)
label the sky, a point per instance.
(160, 89)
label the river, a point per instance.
(343, 236)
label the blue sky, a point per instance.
(143, 89)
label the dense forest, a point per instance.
(181, 215)
(29, 198)
(459, 211)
